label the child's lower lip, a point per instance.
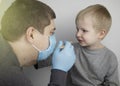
(80, 41)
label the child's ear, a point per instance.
(102, 33)
(29, 34)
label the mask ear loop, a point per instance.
(47, 48)
(36, 48)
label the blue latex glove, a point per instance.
(65, 58)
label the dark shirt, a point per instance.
(11, 73)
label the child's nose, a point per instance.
(79, 34)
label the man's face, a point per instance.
(42, 40)
(50, 29)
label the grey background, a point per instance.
(66, 11)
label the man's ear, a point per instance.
(102, 34)
(29, 34)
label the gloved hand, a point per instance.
(65, 58)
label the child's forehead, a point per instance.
(86, 18)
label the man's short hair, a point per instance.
(23, 14)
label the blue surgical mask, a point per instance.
(46, 53)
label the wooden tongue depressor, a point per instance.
(64, 45)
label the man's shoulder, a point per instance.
(13, 75)
(9, 70)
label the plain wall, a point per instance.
(66, 11)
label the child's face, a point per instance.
(86, 35)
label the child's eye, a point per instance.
(84, 30)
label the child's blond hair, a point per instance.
(101, 18)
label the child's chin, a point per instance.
(82, 44)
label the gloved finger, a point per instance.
(67, 44)
(60, 43)
(52, 38)
(71, 47)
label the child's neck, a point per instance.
(95, 47)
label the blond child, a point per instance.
(95, 65)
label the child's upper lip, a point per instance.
(80, 40)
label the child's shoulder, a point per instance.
(110, 52)
(111, 55)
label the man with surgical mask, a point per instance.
(27, 37)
